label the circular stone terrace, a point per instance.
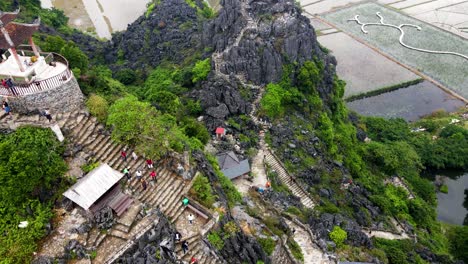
(48, 71)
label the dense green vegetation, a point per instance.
(31, 168)
(268, 245)
(202, 192)
(338, 236)
(394, 150)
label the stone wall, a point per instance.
(65, 98)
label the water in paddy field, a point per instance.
(103, 17)
(450, 208)
(409, 103)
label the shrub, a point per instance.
(201, 190)
(201, 70)
(230, 228)
(268, 245)
(444, 188)
(295, 250)
(338, 235)
(126, 76)
(458, 237)
(98, 107)
(90, 166)
(215, 240)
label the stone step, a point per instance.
(176, 208)
(163, 187)
(193, 252)
(104, 156)
(89, 139)
(98, 141)
(119, 234)
(121, 227)
(155, 188)
(174, 199)
(80, 124)
(100, 149)
(192, 241)
(92, 237)
(86, 131)
(162, 200)
(100, 239)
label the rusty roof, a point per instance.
(14, 34)
(7, 17)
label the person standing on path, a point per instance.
(134, 155)
(47, 115)
(185, 246)
(6, 107)
(177, 236)
(149, 162)
(138, 174)
(126, 173)
(191, 218)
(153, 176)
(123, 154)
(143, 184)
(193, 260)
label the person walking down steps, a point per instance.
(126, 173)
(149, 162)
(6, 107)
(184, 246)
(143, 184)
(48, 115)
(123, 154)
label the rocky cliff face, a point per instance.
(257, 38)
(171, 31)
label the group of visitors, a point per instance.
(9, 85)
(139, 173)
(185, 246)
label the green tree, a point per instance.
(458, 237)
(31, 167)
(76, 57)
(201, 189)
(201, 70)
(338, 236)
(98, 107)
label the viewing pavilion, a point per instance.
(30, 70)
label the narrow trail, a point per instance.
(312, 254)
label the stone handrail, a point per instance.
(36, 86)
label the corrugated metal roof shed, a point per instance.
(92, 186)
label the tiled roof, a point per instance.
(13, 34)
(7, 17)
(231, 166)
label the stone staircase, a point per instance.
(197, 250)
(288, 180)
(90, 137)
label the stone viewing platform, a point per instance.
(33, 80)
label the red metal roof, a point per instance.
(219, 130)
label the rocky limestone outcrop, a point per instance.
(324, 224)
(156, 246)
(239, 247)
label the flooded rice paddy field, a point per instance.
(363, 68)
(450, 70)
(409, 103)
(450, 207)
(100, 16)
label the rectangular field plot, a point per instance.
(410, 103)
(361, 67)
(450, 70)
